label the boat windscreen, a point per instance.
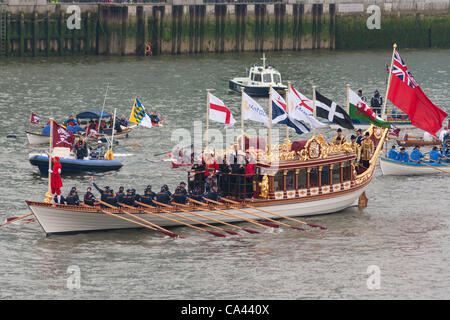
(257, 77)
(267, 77)
(276, 78)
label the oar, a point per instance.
(229, 214)
(219, 221)
(262, 217)
(437, 162)
(157, 228)
(269, 224)
(217, 234)
(427, 165)
(178, 206)
(278, 215)
(16, 219)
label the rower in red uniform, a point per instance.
(55, 180)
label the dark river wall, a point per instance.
(163, 28)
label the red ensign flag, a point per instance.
(406, 94)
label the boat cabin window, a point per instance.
(276, 78)
(301, 178)
(325, 176)
(267, 77)
(252, 75)
(314, 177)
(290, 180)
(347, 171)
(279, 181)
(336, 173)
(257, 77)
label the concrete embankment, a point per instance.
(36, 28)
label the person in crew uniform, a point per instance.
(207, 185)
(89, 197)
(148, 197)
(183, 188)
(367, 149)
(128, 198)
(163, 196)
(136, 197)
(179, 196)
(355, 146)
(416, 155)
(166, 189)
(59, 199)
(80, 148)
(72, 198)
(339, 139)
(392, 153)
(403, 156)
(435, 155)
(213, 194)
(120, 194)
(359, 137)
(197, 195)
(107, 194)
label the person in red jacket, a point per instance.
(55, 179)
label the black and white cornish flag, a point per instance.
(327, 109)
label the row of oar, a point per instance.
(433, 167)
(174, 217)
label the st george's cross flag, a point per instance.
(301, 108)
(327, 109)
(34, 118)
(406, 94)
(280, 116)
(139, 115)
(219, 112)
(361, 111)
(253, 111)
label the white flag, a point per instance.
(219, 112)
(253, 111)
(301, 108)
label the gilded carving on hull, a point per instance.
(264, 187)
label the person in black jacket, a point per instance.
(197, 195)
(179, 196)
(107, 195)
(80, 148)
(89, 197)
(163, 196)
(148, 197)
(72, 198)
(213, 194)
(120, 194)
(182, 186)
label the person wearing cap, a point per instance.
(416, 155)
(196, 194)
(403, 156)
(376, 102)
(163, 196)
(135, 197)
(72, 198)
(367, 150)
(89, 197)
(355, 147)
(148, 197)
(55, 179)
(107, 194)
(120, 194)
(339, 138)
(99, 152)
(213, 194)
(359, 137)
(179, 196)
(393, 154)
(183, 188)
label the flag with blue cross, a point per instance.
(139, 115)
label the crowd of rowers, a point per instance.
(131, 198)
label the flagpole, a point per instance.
(348, 105)
(112, 133)
(207, 118)
(48, 195)
(314, 107)
(242, 118)
(388, 83)
(269, 135)
(287, 109)
(103, 108)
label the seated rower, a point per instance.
(72, 198)
(128, 198)
(154, 117)
(120, 194)
(179, 196)
(59, 199)
(435, 155)
(183, 188)
(197, 195)
(122, 122)
(166, 189)
(213, 194)
(339, 139)
(148, 197)
(163, 196)
(136, 196)
(89, 197)
(107, 195)
(402, 156)
(392, 153)
(416, 155)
